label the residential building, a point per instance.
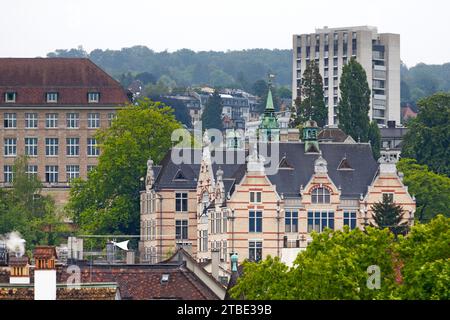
(331, 49)
(51, 109)
(228, 201)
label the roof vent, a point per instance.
(165, 278)
(344, 164)
(284, 164)
(179, 175)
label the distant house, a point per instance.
(408, 111)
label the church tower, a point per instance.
(269, 130)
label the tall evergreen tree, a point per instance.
(375, 139)
(354, 104)
(387, 214)
(311, 104)
(212, 115)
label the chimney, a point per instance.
(131, 257)
(19, 270)
(215, 258)
(44, 273)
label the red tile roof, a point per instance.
(71, 78)
(143, 282)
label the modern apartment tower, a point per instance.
(331, 48)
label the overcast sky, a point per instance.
(30, 28)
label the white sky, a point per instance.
(30, 28)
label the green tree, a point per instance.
(108, 201)
(432, 191)
(428, 137)
(260, 88)
(354, 104)
(311, 104)
(426, 261)
(374, 136)
(266, 280)
(212, 115)
(333, 266)
(387, 214)
(25, 209)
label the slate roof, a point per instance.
(352, 182)
(232, 173)
(71, 78)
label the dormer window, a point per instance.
(93, 97)
(10, 97)
(52, 97)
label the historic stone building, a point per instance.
(51, 109)
(229, 200)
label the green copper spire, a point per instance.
(269, 103)
(269, 128)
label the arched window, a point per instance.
(320, 195)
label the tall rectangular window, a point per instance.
(10, 147)
(93, 120)
(10, 120)
(291, 220)
(73, 120)
(111, 118)
(8, 173)
(255, 221)
(31, 146)
(73, 146)
(319, 220)
(51, 146)
(51, 174)
(92, 149)
(181, 201)
(31, 120)
(181, 229)
(51, 120)
(72, 172)
(90, 167)
(350, 219)
(255, 250)
(255, 197)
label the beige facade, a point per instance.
(255, 220)
(50, 111)
(331, 49)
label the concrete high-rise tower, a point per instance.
(332, 48)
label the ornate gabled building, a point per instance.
(230, 202)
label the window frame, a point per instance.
(182, 201)
(33, 147)
(182, 229)
(51, 149)
(255, 221)
(10, 147)
(318, 197)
